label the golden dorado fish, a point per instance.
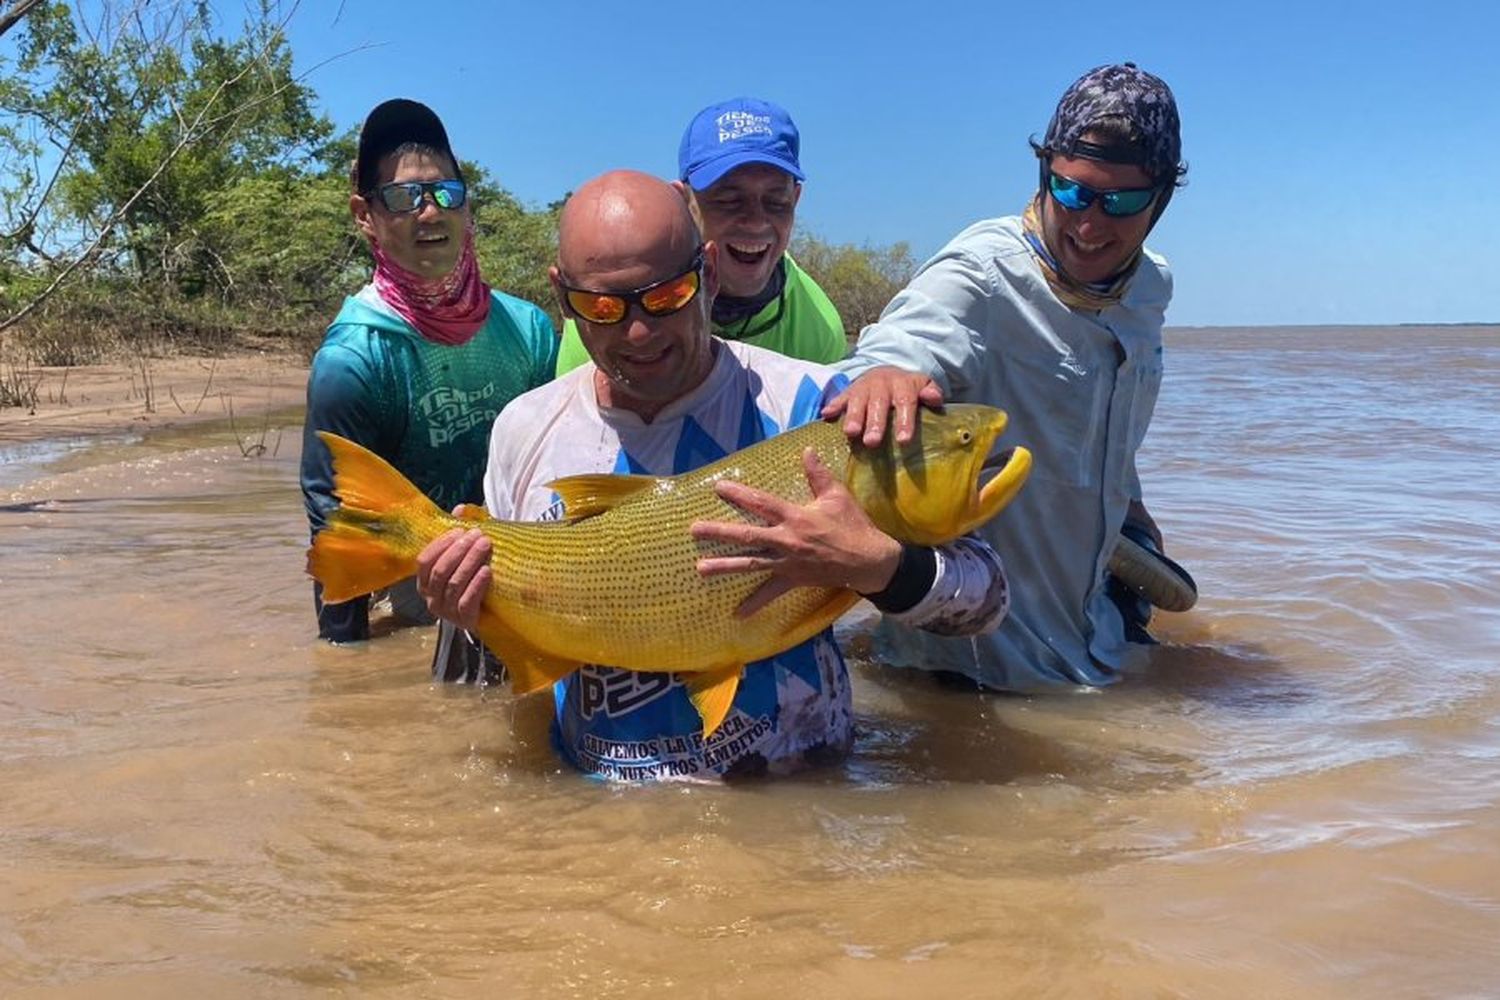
(616, 584)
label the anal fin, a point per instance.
(712, 693)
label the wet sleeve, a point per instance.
(342, 397)
(970, 593)
(935, 325)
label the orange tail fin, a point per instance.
(382, 522)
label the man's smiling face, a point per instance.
(426, 242)
(749, 213)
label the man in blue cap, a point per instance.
(1056, 315)
(738, 166)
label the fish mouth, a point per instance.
(998, 480)
(994, 462)
(992, 468)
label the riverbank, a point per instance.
(147, 394)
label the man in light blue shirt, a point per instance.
(1055, 315)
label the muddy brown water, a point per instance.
(1296, 797)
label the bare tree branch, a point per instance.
(12, 17)
(188, 137)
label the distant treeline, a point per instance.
(165, 185)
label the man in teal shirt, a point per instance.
(741, 175)
(417, 364)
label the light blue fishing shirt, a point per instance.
(1080, 388)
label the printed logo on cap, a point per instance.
(738, 124)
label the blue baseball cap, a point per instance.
(735, 132)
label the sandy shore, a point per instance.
(151, 395)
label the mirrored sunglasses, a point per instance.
(660, 298)
(1076, 197)
(406, 196)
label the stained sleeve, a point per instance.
(970, 593)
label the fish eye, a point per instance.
(964, 437)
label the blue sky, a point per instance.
(1344, 166)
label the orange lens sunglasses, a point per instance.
(660, 298)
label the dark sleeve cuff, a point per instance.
(913, 579)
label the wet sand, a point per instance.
(151, 396)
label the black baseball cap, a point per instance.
(391, 125)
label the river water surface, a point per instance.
(1298, 796)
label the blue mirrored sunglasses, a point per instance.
(406, 196)
(1076, 197)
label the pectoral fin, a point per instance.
(587, 495)
(712, 693)
(471, 512)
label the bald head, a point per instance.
(620, 234)
(624, 221)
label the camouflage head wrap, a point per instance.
(1132, 95)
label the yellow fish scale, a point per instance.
(619, 586)
(639, 561)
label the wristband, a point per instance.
(912, 580)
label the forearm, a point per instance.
(931, 326)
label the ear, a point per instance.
(711, 269)
(796, 193)
(691, 197)
(360, 209)
(555, 277)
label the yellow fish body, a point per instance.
(616, 584)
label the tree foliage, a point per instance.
(128, 128)
(515, 245)
(166, 176)
(859, 280)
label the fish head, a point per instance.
(943, 483)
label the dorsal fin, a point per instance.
(595, 493)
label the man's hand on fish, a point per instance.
(867, 403)
(828, 542)
(453, 575)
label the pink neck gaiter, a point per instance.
(448, 310)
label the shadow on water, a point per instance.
(1134, 736)
(1241, 677)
